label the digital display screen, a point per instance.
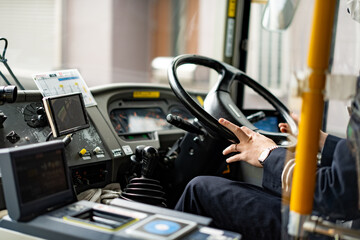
(40, 175)
(68, 113)
(35, 179)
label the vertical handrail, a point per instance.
(303, 185)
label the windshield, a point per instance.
(134, 41)
(109, 41)
(278, 60)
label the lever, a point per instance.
(67, 139)
(145, 189)
(150, 158)
(183, 124)
(138, 154)
(256, 116)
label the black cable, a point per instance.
(5, 47)
(49, 136)
(4, 61)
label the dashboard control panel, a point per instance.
(125, 116)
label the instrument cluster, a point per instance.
(145, 119)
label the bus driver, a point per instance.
(254, 211)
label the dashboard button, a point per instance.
(127, 150)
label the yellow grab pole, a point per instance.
(303, 185)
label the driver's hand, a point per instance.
(285, 128)
(250, 147)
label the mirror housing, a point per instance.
(278, 14)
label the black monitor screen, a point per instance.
(35, 179)
(40, 175)
(67, 113)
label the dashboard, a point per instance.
(124, 117)
(136, 115)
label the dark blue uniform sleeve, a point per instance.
(328, 150)
(336, 192)
(273, 167)
(274, 164)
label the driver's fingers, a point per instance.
(230, 149)
(247, 130)
(283, 124)
(235, 158)
(240, 134)
(284, 127)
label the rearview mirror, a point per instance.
(278, 14)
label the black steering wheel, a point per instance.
(218, 102)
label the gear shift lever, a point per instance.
(150, 158)
(145, 189)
